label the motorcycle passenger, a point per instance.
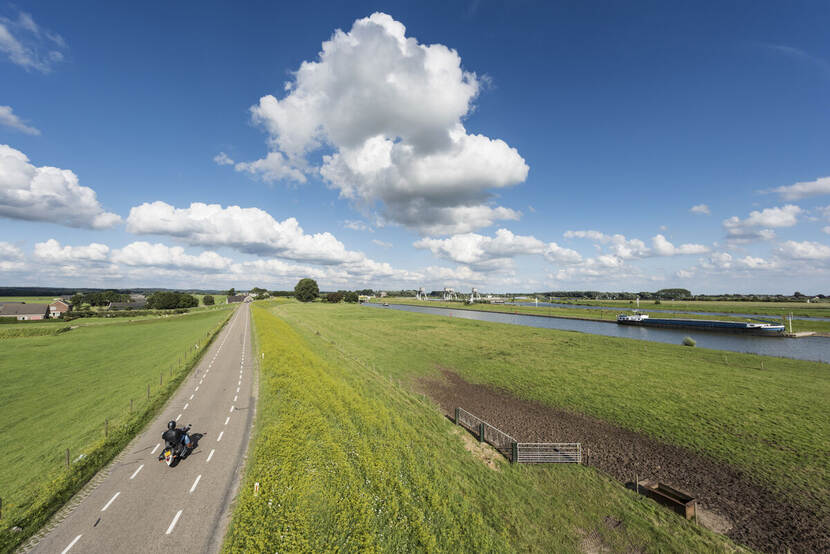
(175, 436)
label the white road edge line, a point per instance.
(210, 455)
(227, 419)
(173, 523)
(196, 482)
(71, 544)
(220, 436)
(136, 471)
(107, 505)
(156, 447)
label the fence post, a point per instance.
(1, 509)
(514, 452)
(67, 457)
(131, 405)
(161, 376)
(457, 415)
(480, 432)
(106, 428)
(148, 391)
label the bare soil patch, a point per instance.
(731, 502)
(481, 450)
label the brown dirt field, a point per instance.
(758, 518)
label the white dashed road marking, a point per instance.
(227, 419)
(156, 447)
(196, 482)
(136, 471)
(220, 436)
(173, 523)
(210, 455)
(71, 544)
(107, 505)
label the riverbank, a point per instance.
(799, 327)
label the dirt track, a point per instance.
(757, 517)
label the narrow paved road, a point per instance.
(145, 506)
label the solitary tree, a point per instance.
(231, 291)
(306, 290)
(351, 297)
(208, 300)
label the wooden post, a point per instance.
(67, 457)
(148, 391)
(480, 432)
(106, 428)
(514, 451)
(457, 414)
(161, 376)
(131, 405)
(636, 484)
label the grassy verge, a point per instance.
(609, 315)
(348, 460)
(770, 422)
(777, 309)
(57, 391)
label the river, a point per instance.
(808, 348)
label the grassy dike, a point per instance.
(57, 391)
(347, 459)
(770, 422)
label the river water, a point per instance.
(775, 318)
(808, 348)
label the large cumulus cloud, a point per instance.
(387, 114)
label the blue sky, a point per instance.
(507, 146)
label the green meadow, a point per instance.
(729, 406)
(57, 391)
(348, 459)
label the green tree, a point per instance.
(334, 297)
(231, 292)
(208, 300)
(351, 297)
(306, 290)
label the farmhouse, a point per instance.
(58, 308)
(24, 312)
(236, 298)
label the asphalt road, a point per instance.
(143, 505)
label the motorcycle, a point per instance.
(172, 453)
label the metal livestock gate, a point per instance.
(519, 452)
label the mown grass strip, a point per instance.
(57, 391)
(348, 460)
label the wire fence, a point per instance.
(515, 451)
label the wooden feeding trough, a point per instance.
(677, 501)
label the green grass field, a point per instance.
(601, 315)
(28, 299)
(771, 422)
(349, 460)
(56, 392)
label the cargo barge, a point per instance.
(743, 327)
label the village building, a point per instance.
(24, 312)
(236, 298)
(58, 308)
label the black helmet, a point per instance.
(171, 425)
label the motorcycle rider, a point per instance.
(175, 436)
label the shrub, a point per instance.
(689, 341)
(208, 300)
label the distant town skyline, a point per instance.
(399, 145)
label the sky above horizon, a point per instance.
(520, 146)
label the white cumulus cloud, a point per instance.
(51, 251)
(248, 230)
(805, 189)
(701, 209)
(662, 247)
(759, 224)
(222, 159)
(142, 253)
(806, 250)
(10, 119)
(390, 110)
(47, 194)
